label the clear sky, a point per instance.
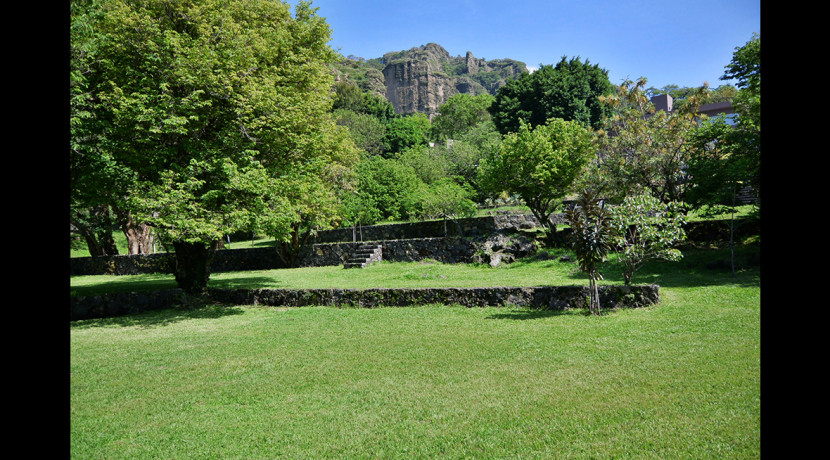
(670, 42)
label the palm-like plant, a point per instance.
(592, 238)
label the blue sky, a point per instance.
(682, 43)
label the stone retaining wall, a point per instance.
(544, 297)
(447, 250)
(470, 228)
(126, 303)
(395, 247)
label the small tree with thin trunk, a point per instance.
(646, 229)
(591, 239)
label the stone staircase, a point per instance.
(365, 255)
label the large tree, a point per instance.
(209, 113)
(540, 165)
(570, 91)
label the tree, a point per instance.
(429, 163)
(591, 239)
(98, 183)
(446, 199)
(727, 158)
(540, 165)
(718, 171)
(569, 91)
(358, 209)
(392, 186)
(367, 132)
(207, 112)
(641, 149)
(746, 68)
(407, 131)
(461, 113)
(645, 229)
(350, 97)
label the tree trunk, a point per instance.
(288, 251)
(594, 306)
(139, 238)
(97, 231)
(138, 234)
(193, 265)
(732, 230)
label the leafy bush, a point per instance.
(645, 229)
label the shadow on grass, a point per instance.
(143, 283)
(160, 318)
(698, 267)
(527, 314)
(244, 282)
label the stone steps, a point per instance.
(365, 255)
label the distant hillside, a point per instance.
(422, 78)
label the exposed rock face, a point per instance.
(423, 78)
(419, 83)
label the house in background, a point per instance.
(665, 102)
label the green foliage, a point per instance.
(351, 97)
(570, 91)
(746, 65)
(745, 141)
(643, 150)
(540, 164)
(391, 185)
(446, 199)
(359, 208)
(718, 168)
(366, 131)
(646, 229)
(407, 131)
(460, 114)
(429, 163)
(203, 113)
(592, 237)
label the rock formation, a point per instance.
(423, 78)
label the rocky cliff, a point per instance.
(422, 78)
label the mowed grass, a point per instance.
(680, 379)
(427, 273)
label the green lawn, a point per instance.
(680, 379)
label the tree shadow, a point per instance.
(161, 317)
(538, 313)
(698, 267)
(247, 282)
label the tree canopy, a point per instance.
(540, 164)
(570, 91)
(205, 113)
(461, 113)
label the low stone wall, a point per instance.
(544, 297)
(126, 303)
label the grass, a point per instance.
(540, 270)
(677, 380)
